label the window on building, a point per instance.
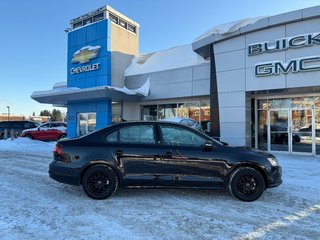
(123, 23)
(131, 28)
(149, 113)
(117, 112)
(167, 111)
(113, 18)
(98, 17)
(87, 21)
(77, 24)
(86, 123)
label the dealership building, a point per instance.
(253, 82)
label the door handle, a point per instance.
(168, 154)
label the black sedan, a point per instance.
(160, 154)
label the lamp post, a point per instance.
(8, 113)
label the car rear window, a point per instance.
(133, 134)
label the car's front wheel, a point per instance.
(246, 184)
(28, 136)
(99, 182)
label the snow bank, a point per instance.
(228, 27)
(176, 57)
(26, 145)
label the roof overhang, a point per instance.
(61, 96)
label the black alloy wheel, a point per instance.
(246, 184)
(100, 182)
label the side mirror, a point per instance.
(208, 146)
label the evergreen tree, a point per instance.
(56, 115)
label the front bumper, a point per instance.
(64, 173)
(274, 175)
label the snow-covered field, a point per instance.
(35, 207)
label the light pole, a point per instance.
(8, 113)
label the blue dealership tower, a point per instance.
(101, 45)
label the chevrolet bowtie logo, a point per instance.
(85, 54)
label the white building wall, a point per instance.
(236, 76)
(231, 75)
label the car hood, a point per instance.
(30, 129)
(245, 154)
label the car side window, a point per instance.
(28, 125)
(133, 134)
(112, 137)
(191, 122)
(178, 136)
(184, 122)
(47, 125)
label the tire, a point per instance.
(99, 182)
(28, 136)
(246, 184)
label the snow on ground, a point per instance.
(35, 207)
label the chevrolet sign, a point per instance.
(85, 54)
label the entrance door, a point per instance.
(278, 134)
(291, 130)
(302, 129)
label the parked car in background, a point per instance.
(185, 121)
(17, 126)
(47, 131)
(161, 155)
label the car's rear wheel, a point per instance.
(100, 182)
(246, 184)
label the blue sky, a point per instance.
(33, 44)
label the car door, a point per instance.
(43, 132)
(186, 162)
(137, 153)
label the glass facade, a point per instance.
(87, 123)
(289, 124)
(199, 111)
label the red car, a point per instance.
(47, 131)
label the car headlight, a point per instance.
(273, 161)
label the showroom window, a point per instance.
(199, 111)
(149, 113)
(86, 123)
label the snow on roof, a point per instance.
(228, 27)
(60, 85)
(176, 57)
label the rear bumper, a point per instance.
(64, 173)
(274, 176)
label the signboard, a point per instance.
(304, 64)
(85, 55)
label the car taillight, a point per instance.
(58, 149)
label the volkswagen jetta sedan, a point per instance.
(161, 155)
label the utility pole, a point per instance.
(8, 113)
